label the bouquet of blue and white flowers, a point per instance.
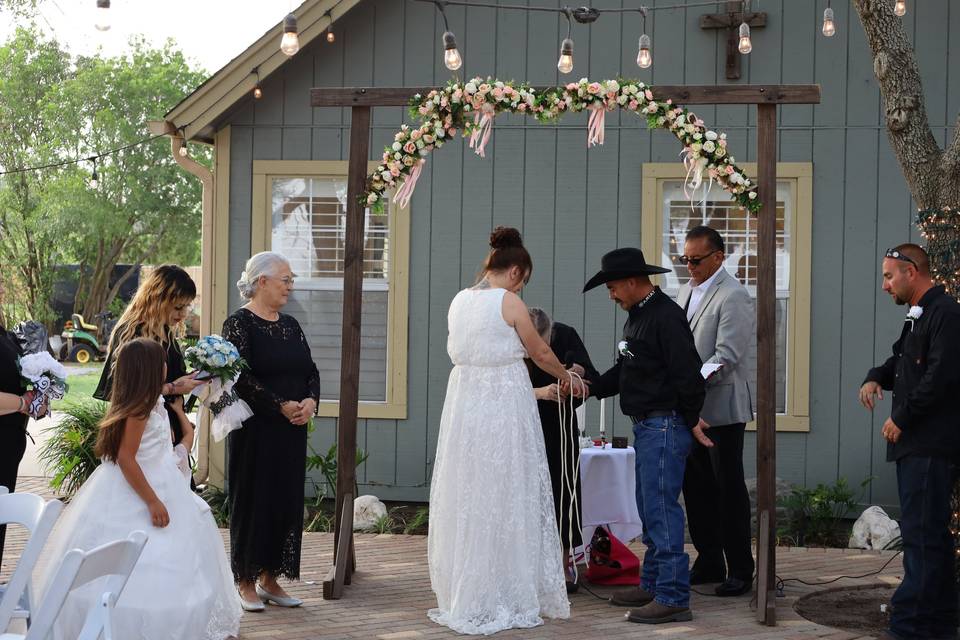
(47, 378)
(219, 361)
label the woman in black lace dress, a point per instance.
(267, 457)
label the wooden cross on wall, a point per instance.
(731, 21)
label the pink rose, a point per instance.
(571, 86)
(611, 95)
(394, 172)
(593, 88)
(723, 142)
(415, 134)
(729, 169)
(522, 106)
(410, 147)
(648, 94)
(497, 93)
(632, 105)
(424, 110)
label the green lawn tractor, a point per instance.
(83, 342)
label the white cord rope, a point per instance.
(568, 483)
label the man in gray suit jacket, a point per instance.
(721, 316)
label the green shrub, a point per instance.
(816, 516)
(219, 503)
(68, 452)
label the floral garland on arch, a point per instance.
(471, 107)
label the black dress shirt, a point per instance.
(924, 374)
(662, 370)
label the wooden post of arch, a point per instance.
(766, 97)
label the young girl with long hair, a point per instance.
(181, 586)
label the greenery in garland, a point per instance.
(469, 107)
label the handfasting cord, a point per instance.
(569, 480)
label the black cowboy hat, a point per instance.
(622, 263)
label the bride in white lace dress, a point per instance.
(493, 548)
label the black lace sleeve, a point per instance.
(261, 400)
(313, 382)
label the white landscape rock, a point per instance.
(874, 529)
(366, 511)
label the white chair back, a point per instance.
(78, 568)
(3, 490)
(37, 516)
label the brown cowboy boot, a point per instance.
(656, 613)
(631, 597)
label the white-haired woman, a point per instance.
(267, 457)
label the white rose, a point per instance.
(397, 146)
(752, 195)
(471, 87)
(709, 146)
(711, 135)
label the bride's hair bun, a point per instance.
(505, 237)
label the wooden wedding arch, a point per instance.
(766, 98)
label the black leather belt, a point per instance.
(652, 414)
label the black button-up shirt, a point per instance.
(662, 370)
(924, 374)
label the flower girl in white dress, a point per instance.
(181, 587)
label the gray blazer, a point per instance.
(723, 327)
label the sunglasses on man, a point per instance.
(897, 255)
(696, 261)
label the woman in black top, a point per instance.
(569, 349)
(267, 456)
(157, 311)
(14, 402)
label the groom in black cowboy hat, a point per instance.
(657, 375)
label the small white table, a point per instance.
(608, 492)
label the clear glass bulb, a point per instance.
(565, 64)
(290, 43)
(257, 92)
(829, 27)
(745, 46)
(183, 151)
(900, 8)
(102, 18)
(452, 59)
(94, 183)
(331, 37)
(644, 59)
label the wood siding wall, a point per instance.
(573, 205)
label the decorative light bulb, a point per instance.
(745, 45)
(829, 28)
(900, 8)
(330, 37)
(94, 180)
(102, 20)
(183, 151)
(451, 56)
(565, 63)
(290, 43)
(644, 57)
(257, 92)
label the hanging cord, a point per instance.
(569, 478)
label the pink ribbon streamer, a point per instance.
(595, 126)
(405, 192)
(483, 127)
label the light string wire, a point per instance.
(518, 7)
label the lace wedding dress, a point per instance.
(181, 587)
(493, 548)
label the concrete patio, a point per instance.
(391, 593)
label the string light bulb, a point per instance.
(290, 42)
(565, 63)
(257, 92)
(183, 149)
(102, 20)
(330, 37)
(644, 57)
(829, 27)
(94, 178)
(745, 46)
(900, 8)
(451, 56)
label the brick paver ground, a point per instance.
(391, 593)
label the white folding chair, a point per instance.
(38, 517)
(3, 490)
(78, 568)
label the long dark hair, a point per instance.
(506, 251)
(137, 382)
(149, 310)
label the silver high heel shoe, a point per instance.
(280, 601)
(255, 606)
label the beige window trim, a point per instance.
(798, 327)
(395, 406)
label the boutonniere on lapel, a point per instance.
(913, 315)
(624, 349)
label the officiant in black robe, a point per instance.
(569, 349)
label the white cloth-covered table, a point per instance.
(608, 492)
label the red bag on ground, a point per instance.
(611, 562)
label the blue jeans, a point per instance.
(662, 445)
(925, 603)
